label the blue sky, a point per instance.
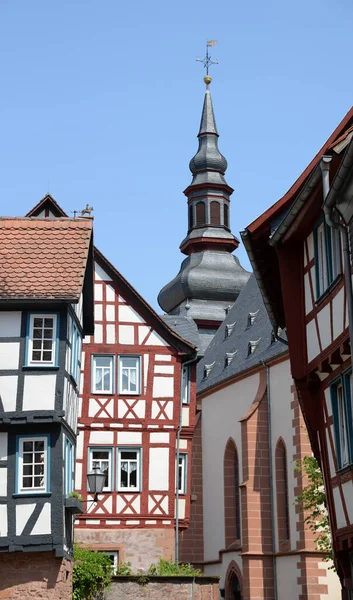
(101, 100)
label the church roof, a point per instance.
(243, 341)
(43, 258)
(184, 327)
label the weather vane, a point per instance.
(207, 62)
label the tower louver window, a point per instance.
(226, 215)
(215, 213)
(191, 217)
(200, 213)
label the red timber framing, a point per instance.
(147, 421)
(317, 330)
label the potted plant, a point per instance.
(73, 503)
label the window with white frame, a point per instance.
(102, 374)
(114, 557)
(102, 460)
(327, 241)
(185, 384)
(68, 466)
(341, 398)
(129, 469)
(33, 464)
(182, 473)
(42, 340)
(129, 374)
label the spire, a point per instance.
(208, 122)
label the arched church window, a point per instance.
(215, 213)
(226, 215)
(231, 494)
(200, 213)
(282, 494)
(191, 216)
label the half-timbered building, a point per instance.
(46, 308)
(300, 252)
(136, 421)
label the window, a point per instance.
(129, 469)
(75, 351)
(68, 464)
(226, 215)
(41, 344)
(341, 398)
(191, 216)
(182, 473)
(231, 494)
(129, 374)
(102, 459)
(102, 374)
(282, 494)
(114, 557)
(33, 464)
(327, 242)
(215, 213)
(200, 213)
(185, 384)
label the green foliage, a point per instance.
(168, 567)
(313, 501)
(75, 495)
(124, 568)
(92, 573)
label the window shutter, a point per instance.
(200, 213)
(215, 213)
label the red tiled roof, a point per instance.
(43, 258)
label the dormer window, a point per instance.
(229, 358)
(253, 346)
(207, 370)
(229, 329)
(252, 318)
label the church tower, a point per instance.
(211, 277)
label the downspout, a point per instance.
(176, 548)
(272, 500)
(325, 168)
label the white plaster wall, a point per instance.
(341, 520)
(332, 581)
(159, 438)
(106, 438)
(3, 520)
(10, 324)
(312, 340)
(163, 387)
(347, 489)
(110, 294)
(9, 355)
(287, 574)
(129, 438)
(155, 340)
(126, 334)
(3, 446)
(8, 392)
(159, 469)
(98, 292)
(310, 244)
(3, 481)
(39, 392)
(126, 314)
(43, 524)
(99, 274)
(338, 313)
(23, 512)
(281, 425)
(221, 412)
(324, 326)
(308, 299)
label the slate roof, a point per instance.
(241, 333)
(43, 258)
(184, 327)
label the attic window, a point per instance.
(229, 358)
(229, 329)
(207, 370)
(252, 317)
(253, 346)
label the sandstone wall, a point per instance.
(32, 575)
(161, 588)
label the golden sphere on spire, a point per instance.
(207, 79)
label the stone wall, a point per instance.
(162, 588)
(140, 546)
(34, 575)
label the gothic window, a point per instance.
(226, 215)
(215, 213)
(200, 213)
(191, 216)
(231, 494)
(282, 494)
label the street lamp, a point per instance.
(95, 480)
